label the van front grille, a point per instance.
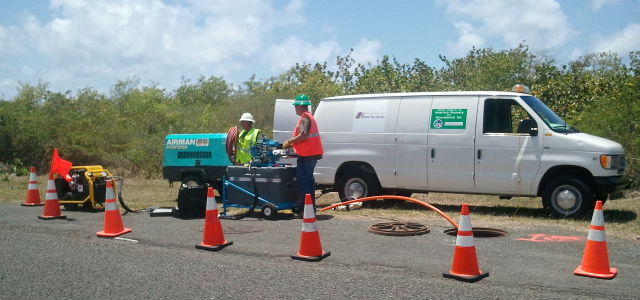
(622, 164)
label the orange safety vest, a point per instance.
(312, 145)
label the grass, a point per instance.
(621, 216)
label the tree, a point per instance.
(212, 90)
(125, 129)
(616, 113)
(488, 70)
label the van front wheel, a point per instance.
(357, 185)
(567, 197)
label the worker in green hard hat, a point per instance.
(307, 145)
(247, 138)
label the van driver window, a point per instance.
(505, 116)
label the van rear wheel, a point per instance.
(357, 185)
(568, 197)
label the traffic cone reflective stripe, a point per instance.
(110, 206)
(112, 220)
(310, 246)
(309, 227)
(465, 261)
(51, 204)
(33, 195)
(595, 261)
(213, 236)
(309, 213)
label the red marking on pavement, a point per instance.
(551, 238)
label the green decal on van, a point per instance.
(449, 118)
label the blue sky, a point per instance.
(72, 44)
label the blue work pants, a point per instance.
(304, 180)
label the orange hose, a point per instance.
(429, 206)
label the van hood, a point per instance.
(582, 141)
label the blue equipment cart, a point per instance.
(275, 183)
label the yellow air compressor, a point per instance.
(88, 187)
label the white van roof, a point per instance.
(458, 93)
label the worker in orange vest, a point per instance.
(307, 145)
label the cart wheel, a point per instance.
(295, 210)
(269, 211)
(70, 206)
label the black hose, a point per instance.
(256, 196)
(124, 206)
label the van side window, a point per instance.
(505, 116)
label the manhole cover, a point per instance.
(399, 228)
(480, 232)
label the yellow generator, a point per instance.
(88, 187)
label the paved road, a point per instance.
(63, 259)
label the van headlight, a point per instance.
(613, 162)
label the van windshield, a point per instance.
(548, 116)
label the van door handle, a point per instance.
(479, 154)
(433, 153)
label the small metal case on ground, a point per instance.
(192, 202)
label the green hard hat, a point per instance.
(302, 99)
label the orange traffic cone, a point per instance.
(112, 220)
(213, 239)
(51, 204)
(310, 247)
(33, 195)
(595, 261)
(465, 262)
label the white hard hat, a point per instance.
(247, 117)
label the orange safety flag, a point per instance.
(60, 166)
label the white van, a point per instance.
(495, 143)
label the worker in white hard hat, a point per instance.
(247, 138)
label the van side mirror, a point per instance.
(528, 126)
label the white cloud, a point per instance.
(6, 82)
(11, 40)
(597, 4)
(4, 36)
(621, 42)
(366, 51)
(114, 39)
(577, 53)
(294, 50)
(540, 22)
(27, 71)
(469, 37)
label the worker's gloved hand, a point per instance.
(287, 144)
